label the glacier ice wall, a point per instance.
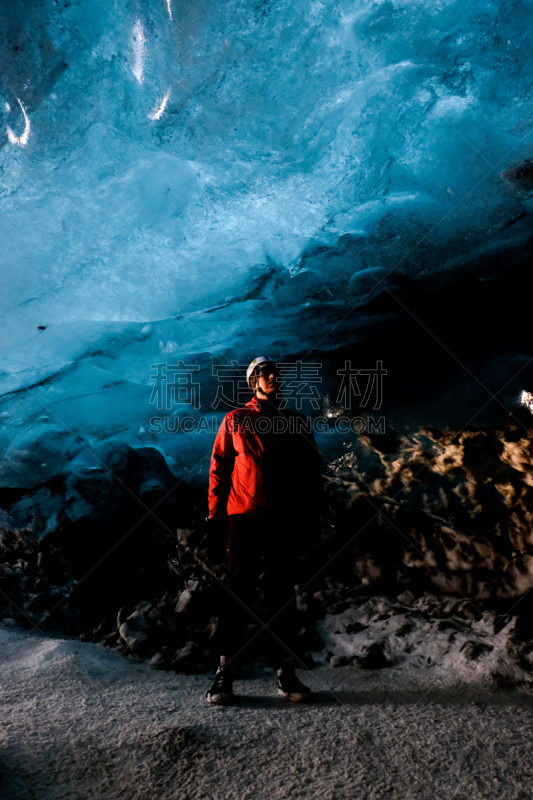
(206, 181)
(175, 151)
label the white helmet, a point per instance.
(255, 363)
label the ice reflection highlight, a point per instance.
(21, 140)
(158, 110)
(526, 399)
(139, 41)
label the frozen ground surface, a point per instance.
(79, 721)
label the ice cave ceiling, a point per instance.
(207, 181)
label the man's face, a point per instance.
(268, 379)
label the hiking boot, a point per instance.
(221, 692)
(289, 686)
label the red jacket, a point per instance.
(237, 483)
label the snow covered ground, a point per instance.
(81, 721)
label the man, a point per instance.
(264, 495)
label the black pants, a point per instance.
(260, 543)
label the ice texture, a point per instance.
(210, 181)
(170, 155)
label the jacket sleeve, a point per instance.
(221, 468)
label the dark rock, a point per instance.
(355, 627)
(158, 661)
(133, 638)
(301, 605)
(39, 603)
(404, 629)
(501, 622)
(144, 607)
(337, 608)
(212, 627)
(373, 658)
(523, 628)
(406, 598)
(98, 632)
(185, 658)
(183, 601)
(523, 659)
(137, 621)
(357, 599)
(338, 661)
(448, 624)
(121, 616)
(473, 650)
(504, 681)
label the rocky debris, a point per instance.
(137, 620)
(121, 616)
(373, 658)
(186, 596)
(134, 639)
(144, 609)
(174, 628)
(134, 630)
(183, 601)
(212, 627)
(461, 499)
(476, 643)
(338, 661)
(406, 598)
(154, 614)
(504, 681)
(132, 633)
(301, 604)
(473, 650)
(158, 661)
(185, 659)
(355, 627)
(404, 629)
